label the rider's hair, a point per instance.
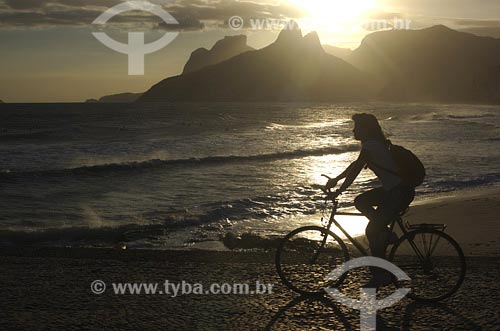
(369, 128)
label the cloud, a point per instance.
(486, 28)
(25, 4)
(477, 23)
(191, 14)
(481, 27)
(32, 4)
(414, 22)
(56, 17)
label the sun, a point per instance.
(334, 14)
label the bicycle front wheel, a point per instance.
(433, 260)
(306, 256)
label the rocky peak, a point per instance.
(223, 49)
(290, 34)
(311, 41)
(239, 41)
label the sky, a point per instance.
(48, 52)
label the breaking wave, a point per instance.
(156, 163)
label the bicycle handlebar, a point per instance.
(332, 195)
(328, 192)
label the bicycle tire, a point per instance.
(289, 255)
(449, 261)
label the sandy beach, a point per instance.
(50, 288)
(472, 218)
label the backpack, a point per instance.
(411, 169)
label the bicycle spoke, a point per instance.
(434, 262)
(415, 249)
(424, 242)
(434, 247)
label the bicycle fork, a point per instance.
(318, 251)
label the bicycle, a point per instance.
(430, 257)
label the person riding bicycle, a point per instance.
(391, 198)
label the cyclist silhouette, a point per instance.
(391, 198)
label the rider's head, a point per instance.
(366, 127)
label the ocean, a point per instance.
(176, 176)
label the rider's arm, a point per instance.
(346, 171)
(353, 171)
(332, 182)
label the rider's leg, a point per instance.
(377, 231)
(376, 228)
(366, 202)
(396, 201)
(378, 235)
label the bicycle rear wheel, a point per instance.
(306, 256)
(433, 260)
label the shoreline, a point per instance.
(470, 215)
(426, 198)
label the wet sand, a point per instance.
(49, 288)
(472, 218)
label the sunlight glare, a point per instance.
(354, 225)
(334, 14)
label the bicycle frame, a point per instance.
(353, 241)
(411, 235)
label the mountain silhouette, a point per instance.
(223, 49)
(436, 64)
(293, 68)
(342, 53)
(492, 31)
(433, 64)
(120, 98)
(117, 98)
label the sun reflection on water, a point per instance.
(331, 165)
(354, 225)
